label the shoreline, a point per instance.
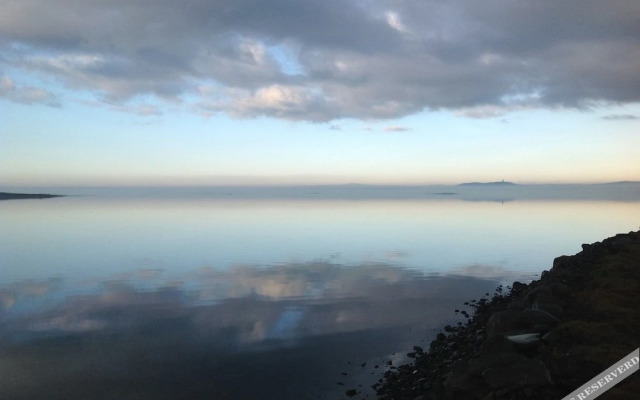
(19, 196)
(540, 340)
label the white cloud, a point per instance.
(483, 111)
(396, 128)
(393, 19)
(286, 102)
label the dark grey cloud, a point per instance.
(324, 60)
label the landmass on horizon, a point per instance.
(17, 196)
(501, 183)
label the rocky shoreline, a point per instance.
(540, 340)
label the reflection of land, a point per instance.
(285, 332)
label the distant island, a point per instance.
(17, 196)
(502, 183)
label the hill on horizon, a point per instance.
(500, 183)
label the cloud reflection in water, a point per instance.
(283, 332)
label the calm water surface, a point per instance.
(211, 297)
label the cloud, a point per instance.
(280, 101)
(325, 60)
(239, 320)
(26, 94)
(620, 117)
(396, 128)
(318, 297)
(142, 109)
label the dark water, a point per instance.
(215, 298)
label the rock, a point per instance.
(526, 343)
(460, 384)
(563, 262)
(545, 275)
(560, 290)
(516, 322)
(538, 291)
(552, 337)
(478, 366)
(618, 241)
(517, 305)
(502, 322)
(542, 298)
(515, 348)
(495, 345)
(538, 320)
(526, 372)
(525, 338)
(518, 287)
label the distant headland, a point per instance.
(501, 183)
(17, 196)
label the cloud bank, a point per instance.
(325, 60)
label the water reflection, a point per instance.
(286, 332)
(169, 298)
(91, 236)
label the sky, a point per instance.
(244, 92)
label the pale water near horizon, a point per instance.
(271, 298)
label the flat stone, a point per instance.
(525, 338)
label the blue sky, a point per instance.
(286, 92)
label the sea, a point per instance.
(302, 292)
